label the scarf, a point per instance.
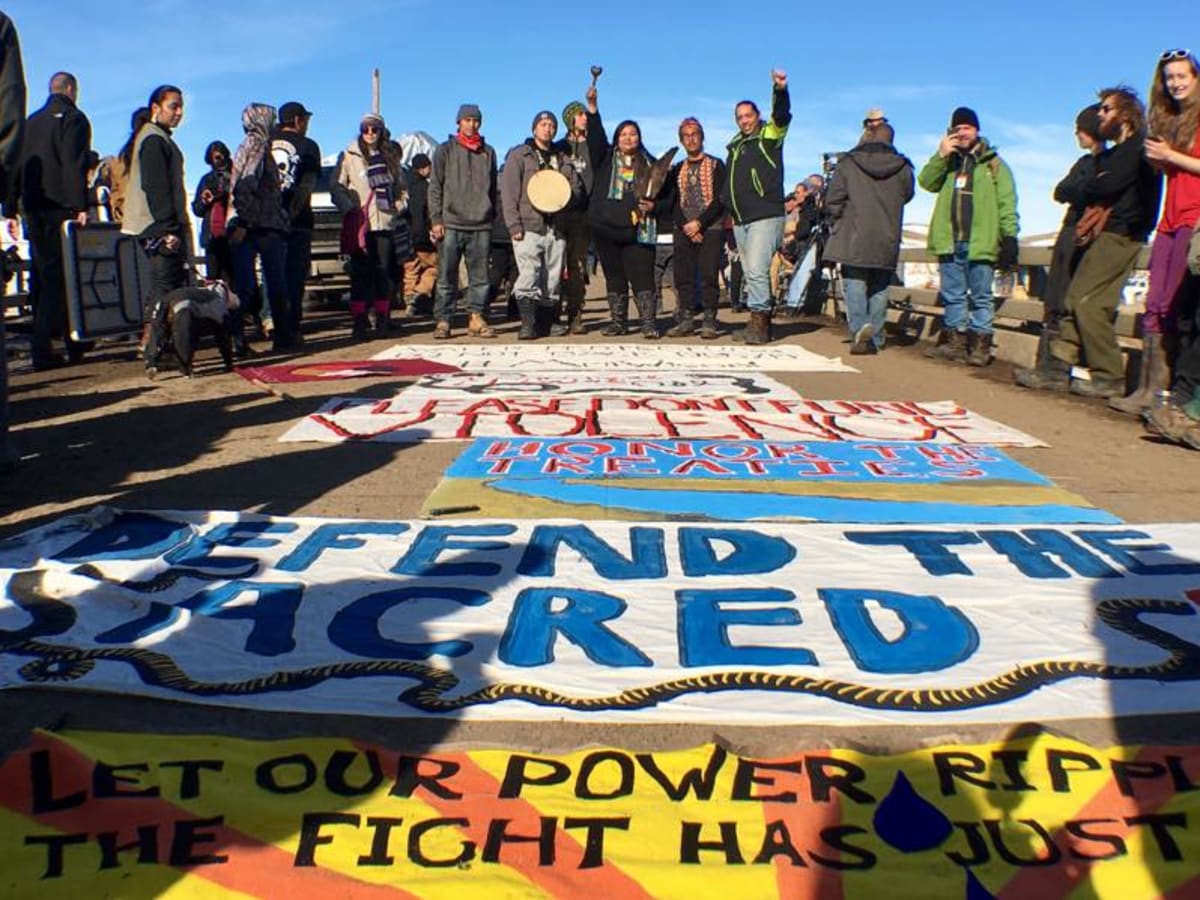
(379, 178)
(257, 121)
(473, 143)
(620, 184)
(707, 167)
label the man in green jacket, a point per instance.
(753, 194)
(974, 231)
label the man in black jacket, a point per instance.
(865, 204)
(697, 215)
(420, 272)
(1127, 189)
(53, 191)
(298, 159)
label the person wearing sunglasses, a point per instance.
(1174, 148)
(462, 208)
(1120, 205)
(370, 191)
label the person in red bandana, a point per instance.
(462, 207)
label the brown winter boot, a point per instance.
(951, 346)
(1153, 378)
(980, 352)
(757, 330)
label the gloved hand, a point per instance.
(1008, 253)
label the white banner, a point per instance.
(514, 620)
(410, 418)
(602, 357)
(464, 385)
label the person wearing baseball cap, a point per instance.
(462, 207)
(973, 232)
(298, 159)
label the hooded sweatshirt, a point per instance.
(462, 191)
(865, 203)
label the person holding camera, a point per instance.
(865, 206)
(973, 232)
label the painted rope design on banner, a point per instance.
(56, 663)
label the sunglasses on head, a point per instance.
(1175, 54)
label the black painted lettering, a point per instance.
(1158, 823)
(412, 774)
(1179, 776)
(146, 844)
(55, 845)
(274, 774)
(700, 782)
(748, 775)
(417, 854)
(691, 844)
(1060, 772)
(189, 774)
(1081, 829)
(624, 772)
(1049, 855)
(498, 836)
(956, 765)
(311, 837)
(777, 841)
(337, 770)
(518, 773)
(1011, 761)
(836, 837)
(188, 834)
(1126, 772)
(593, 847)
(41, 780)
(107, 781)
(978, 847)
(379, 856)
(827, 774)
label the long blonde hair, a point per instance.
(1169, 119)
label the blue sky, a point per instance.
(1027, 68)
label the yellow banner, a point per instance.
(86, 814)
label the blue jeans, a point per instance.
(966, 292)
(757, 243)
(475, 246)
(270, 247)
(866, 299)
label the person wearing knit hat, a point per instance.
(973, 232)
(572, 222)
(462, 207)
(1067, 253)
(532, 221)
(420, 270)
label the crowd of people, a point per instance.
(409, 225)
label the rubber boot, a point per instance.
(575, 316)
(1152, 378)
(685, 323)
(647, 307)
(618, 312)
(528, 319)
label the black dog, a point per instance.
(192, 312)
